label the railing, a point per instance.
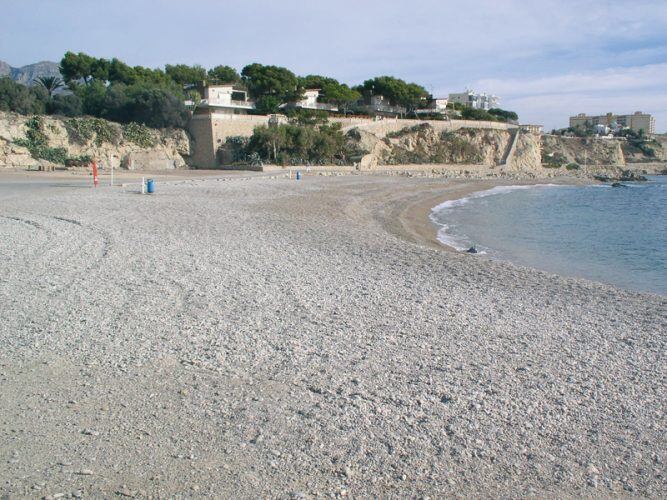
(243, 104)
(229, 104)
(383, 108)
(317, 105)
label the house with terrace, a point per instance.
(311, 100)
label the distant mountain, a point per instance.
(27, 74)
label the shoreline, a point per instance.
(416, 221)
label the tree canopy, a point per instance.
(223, 74)
(184, 74)
(275, 81)
(397, 91)
(503, 114)
(331, 90)
(21, 99)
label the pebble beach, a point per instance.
(248, 337)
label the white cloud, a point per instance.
(551, 100)
(612, 79)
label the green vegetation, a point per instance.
(331, 91)
(553, 160)
(113, 90)
(300, 116)
(408, 130)
(50, 83)
(139, 135)
(83, 130)
(397, 91)
(37, 143)
(263, 81)
(21, 99)
(223, 74)
(292, 144)
(503, 115)
(638, 143)
(572, 166)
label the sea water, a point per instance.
(615, 235)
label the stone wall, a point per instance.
(210, 131)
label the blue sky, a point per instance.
(546, 59)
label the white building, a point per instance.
(476, 101)
(310, 101)
(225, 98)
(379, 105)
(435, 105)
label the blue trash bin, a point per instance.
(298, 175)
(150, 186)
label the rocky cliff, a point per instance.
(423, 144)
(44, 141)
(511, 151)
(558, 150)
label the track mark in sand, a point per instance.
(31, 223)
(71, 221)
(106, 239)
(72, 264)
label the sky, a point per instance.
(546, 59)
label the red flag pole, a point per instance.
(95, 179)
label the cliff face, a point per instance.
(423, 144)
(507, 150)
(583, 151)
(33, 142)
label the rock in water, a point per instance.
(630, 176)
(471, 250)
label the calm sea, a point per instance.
(612, 235)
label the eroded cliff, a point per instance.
(46, 141)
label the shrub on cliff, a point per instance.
(37, 143)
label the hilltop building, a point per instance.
(436, 105)
(379, 105)
(476, 101)
(225, 98)
(637, 121)
(310, 100)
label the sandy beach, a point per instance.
(253, 336)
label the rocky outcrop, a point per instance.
(508, 152)
(557, 150)
(422, 144)
(72, 141)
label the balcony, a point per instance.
(386, 108)
(228, 104)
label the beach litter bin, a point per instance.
(150, 186)
(298, 175)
